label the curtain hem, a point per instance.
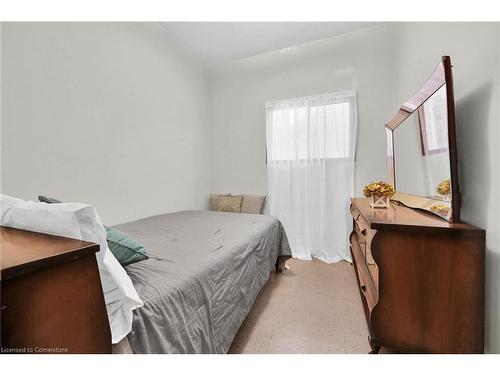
(327, 260)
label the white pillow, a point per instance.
(80, 221)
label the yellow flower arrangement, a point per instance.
(378, 189)
(440, 209)
(444, 187)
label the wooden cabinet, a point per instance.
(421, 279)
(51, 295)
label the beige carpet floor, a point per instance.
(313, 307)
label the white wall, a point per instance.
(361, 60)
(474, 51)
(111, 114)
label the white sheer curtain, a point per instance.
(310, 162)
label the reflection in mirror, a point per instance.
(421, 156)
(433, 121)
(390, 156)
(422, 150)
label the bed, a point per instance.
(205, 271)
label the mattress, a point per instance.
(205, 271)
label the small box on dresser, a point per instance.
(421, 279)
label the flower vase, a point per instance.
(379, 201)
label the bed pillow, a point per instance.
(214, 200)
(126, 249)
(80, 221)
(44, 199)
(252, 204)
(231, 203)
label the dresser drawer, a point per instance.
(371, 265)
(364, 236)
(363, 229)
(366, 283)
(366, 254)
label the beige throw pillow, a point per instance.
(252, 204)
(214, 200)
(229, 203)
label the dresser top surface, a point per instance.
(398, 215)
(23, 251)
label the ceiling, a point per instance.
(214, 43)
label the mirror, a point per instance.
(421, 159)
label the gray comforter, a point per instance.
(203, 277)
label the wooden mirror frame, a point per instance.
(441, 76)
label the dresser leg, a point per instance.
(375, 349)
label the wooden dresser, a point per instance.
(421, 279)
(51, 295)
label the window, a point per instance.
(310, 149)
(315, 127)
(433, 121)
